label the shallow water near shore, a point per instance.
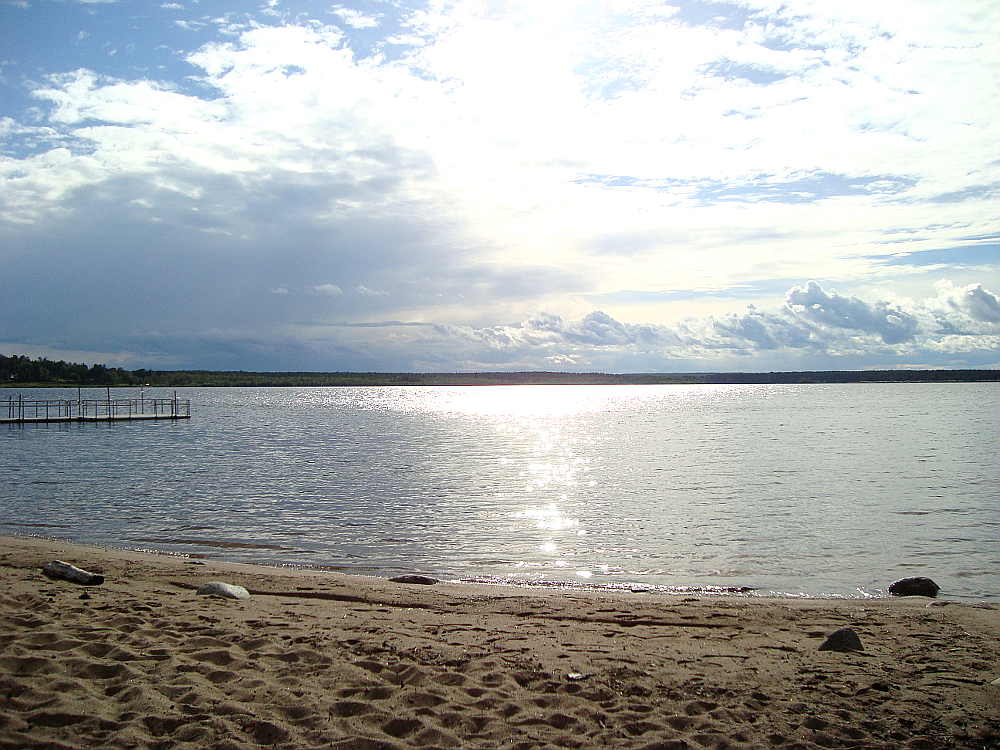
(823, 490)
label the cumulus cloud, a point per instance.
(766, 330)
(786, 337)
(889, 322)
(976, 302)
(815, 325)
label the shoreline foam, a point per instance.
(568, 584)
(330, 660)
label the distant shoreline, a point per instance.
(209, 378)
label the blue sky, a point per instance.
(501, 185)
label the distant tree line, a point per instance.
(22, 371)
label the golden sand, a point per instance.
(321, 660)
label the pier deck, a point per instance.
(37, 411)
(119, 418)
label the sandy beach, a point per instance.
(322, 660)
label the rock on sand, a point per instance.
(914, 587)
(225, 590)
(844, 639)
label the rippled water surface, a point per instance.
(818, 489)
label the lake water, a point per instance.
(793, 489)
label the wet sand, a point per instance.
(322, 660)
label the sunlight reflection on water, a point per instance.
(781, 487)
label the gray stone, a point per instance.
(914, 587)
(413, 578)
(844, 639)
(225, 590)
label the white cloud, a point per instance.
(509, 157)
(329, 290)
(976, 302)
(766, 330)
(888, 321)
(355, 18)
(814, 322)
(536, 125)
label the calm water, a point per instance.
(817, 489)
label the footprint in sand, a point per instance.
(450, 678)
(637, 728)
(43, 719)
(401, 728)
(219, 657)
(425, 700)
(344, 709)
(26, 665)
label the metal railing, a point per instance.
(79, 409)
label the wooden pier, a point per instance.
(28, 411)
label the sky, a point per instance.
(469, 185)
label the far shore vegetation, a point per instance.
(23, 372)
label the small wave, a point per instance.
(632, 587)
(218, 543)
(40, 525)
(196, 528)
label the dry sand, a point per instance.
(320, 660)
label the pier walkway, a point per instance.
(27, 411)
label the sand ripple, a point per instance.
(144, 663)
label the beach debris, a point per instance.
(844, 639)
(414, 578)
(225, 590)
(917, 586)
(67, 572)
(576, 676)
